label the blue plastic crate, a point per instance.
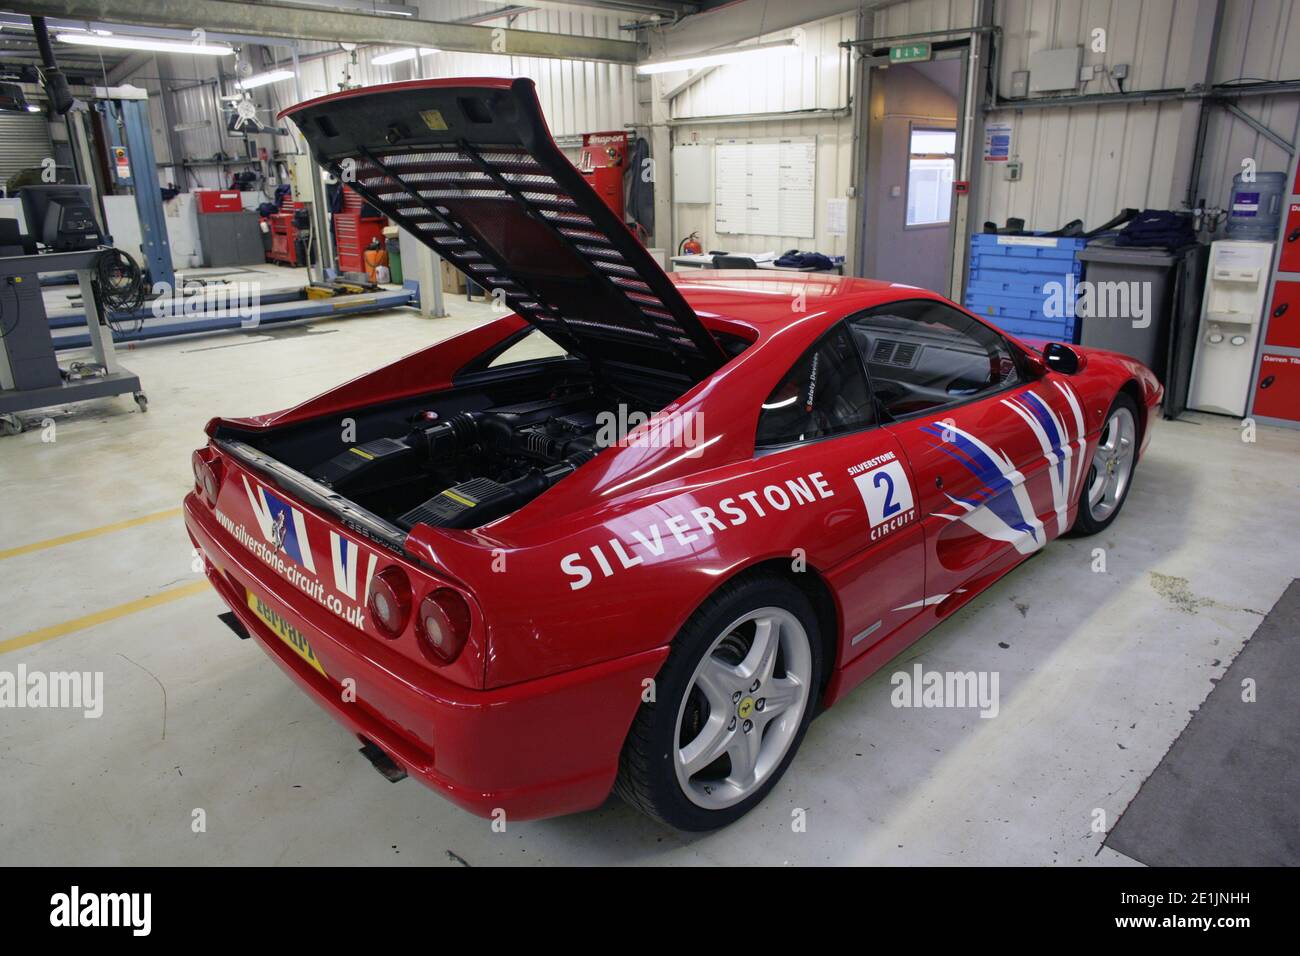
(1031, 247)
(1011, 283)
(1008, 282)
(1019, 315)
(1026, 329)
(1009, 266)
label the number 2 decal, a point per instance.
(891, 506)
(886, 491)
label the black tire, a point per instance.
(647, 777)
(1085, 521)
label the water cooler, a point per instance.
(1236, 285)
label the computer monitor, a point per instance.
(60, 216)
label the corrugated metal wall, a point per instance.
(1261, 40)
(812, 80)
(1084, 163)
(1079, 162)
(1088, 163)
(577, 96)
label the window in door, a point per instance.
(922, 355)
(931, 162)
(824, 393)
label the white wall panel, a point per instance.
(812, 80)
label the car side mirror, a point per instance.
(1059, 357)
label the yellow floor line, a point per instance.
(100, 617)
(89, 533)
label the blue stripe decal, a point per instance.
(998, 491)
(1054, 437)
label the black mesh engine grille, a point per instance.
(500, 202)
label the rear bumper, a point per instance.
(534, 749)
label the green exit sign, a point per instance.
(909, 53)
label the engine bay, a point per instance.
(465, 468)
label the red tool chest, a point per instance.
(603, 160)
(354, 231)
(284, 235)
(218, 200)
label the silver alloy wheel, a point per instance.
(744, 702)
(1112, 464)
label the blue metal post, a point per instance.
(144, 179)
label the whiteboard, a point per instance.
(691, 174)
(765, 187)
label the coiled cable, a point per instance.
(121, 288)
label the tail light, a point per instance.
(390, 601)
(207, 477)
(443, 625)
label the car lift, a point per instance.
(127, 108)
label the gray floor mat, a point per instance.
(1228, 791)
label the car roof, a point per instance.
(767, 301)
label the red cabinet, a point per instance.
(218, 200)
(603, 160)
(1277, 393)
(286, 247)
(1284, 315)
(1289, 260)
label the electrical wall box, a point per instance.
(1086, 73)
(1119, 71)
(1014, 170)
(1051, 70)
(1019, 84)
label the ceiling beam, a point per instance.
(290, 22)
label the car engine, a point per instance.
(480, 465)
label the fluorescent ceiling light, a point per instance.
(147, 43)
(261, 79)
(401, 56)
(361, 6)
(779, 48)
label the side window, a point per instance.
(530, 348)
(922, 355)
(825, 393)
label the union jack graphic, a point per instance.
(1000, 508)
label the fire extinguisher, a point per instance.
(690, 246)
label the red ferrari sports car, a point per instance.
(471, 560)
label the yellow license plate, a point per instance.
(284, 630)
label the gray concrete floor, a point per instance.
(1099, 671)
